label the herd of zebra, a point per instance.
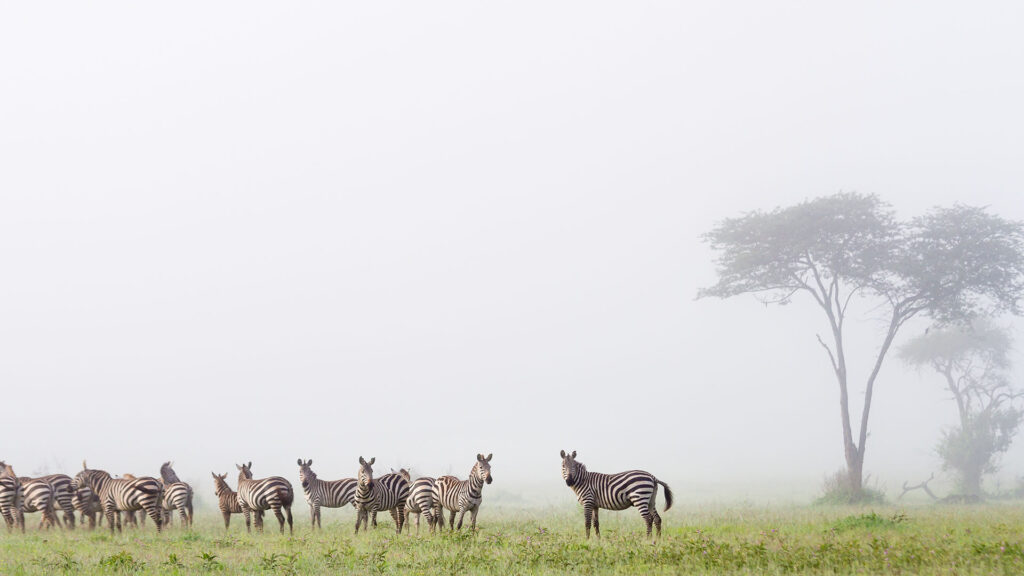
(96, 495)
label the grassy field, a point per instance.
(722, 540)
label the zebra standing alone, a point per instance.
(227, 499)
(614, 492)
(177, 495)
(122, 494)
(389, 493)
(464, 495)
(421, 502)
(325, 493)
(271, 493)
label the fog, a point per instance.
(263, 231)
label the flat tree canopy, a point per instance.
(951, 264)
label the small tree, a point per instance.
(974, 362)
(950, 264)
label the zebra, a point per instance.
(11, 494)
(87, 503)
(37, 496)
(464, 495)
(227, 499)
(177, 495)
(389, 493)
(122, 494)
(326, 493)
(62, 496)
(421, 501)
(614, 492)
(387, 479)
(271, 493)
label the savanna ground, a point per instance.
(983, 539)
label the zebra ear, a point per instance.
(250, 464)
(237, 466)
(573, 453)
(489, 456)
(84, 467)
(563, 453)
(299, 461)
(480, 457)
(372, 460)
(362, 461)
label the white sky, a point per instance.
(262, 231)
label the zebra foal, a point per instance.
(227, 499)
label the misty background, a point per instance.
(255, 231)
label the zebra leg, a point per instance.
(374, 521)
(227, 518)
(359, 518)
(451, 523)
(248, 522)
(184, 516)
(472, 517)
(657, 521)
(462, 514)
(288, 513)
(279, 516)
(597, 525)
(400, 518)
(588, 513)
(156, 512)
(312, 515)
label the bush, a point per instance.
(838, 490)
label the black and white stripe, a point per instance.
(10, 497)
(464, 495)
(421, 502)
(37, 496)
(227, 499)
(123, 495)
(271, 493)
(62, 496)
(614, 492)
(324, 493)
(87, 503)
(389, 492)
(177, 495)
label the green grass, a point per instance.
(697, 540)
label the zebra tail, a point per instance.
(668, 494)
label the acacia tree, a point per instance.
(974, 362)
(950, 264)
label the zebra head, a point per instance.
(365, 475)
(244, 471)
(306, 475)
(403, 473)
(6, 469)
(220, 483)
(570, 468)
(482, 468)
(167, 473)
